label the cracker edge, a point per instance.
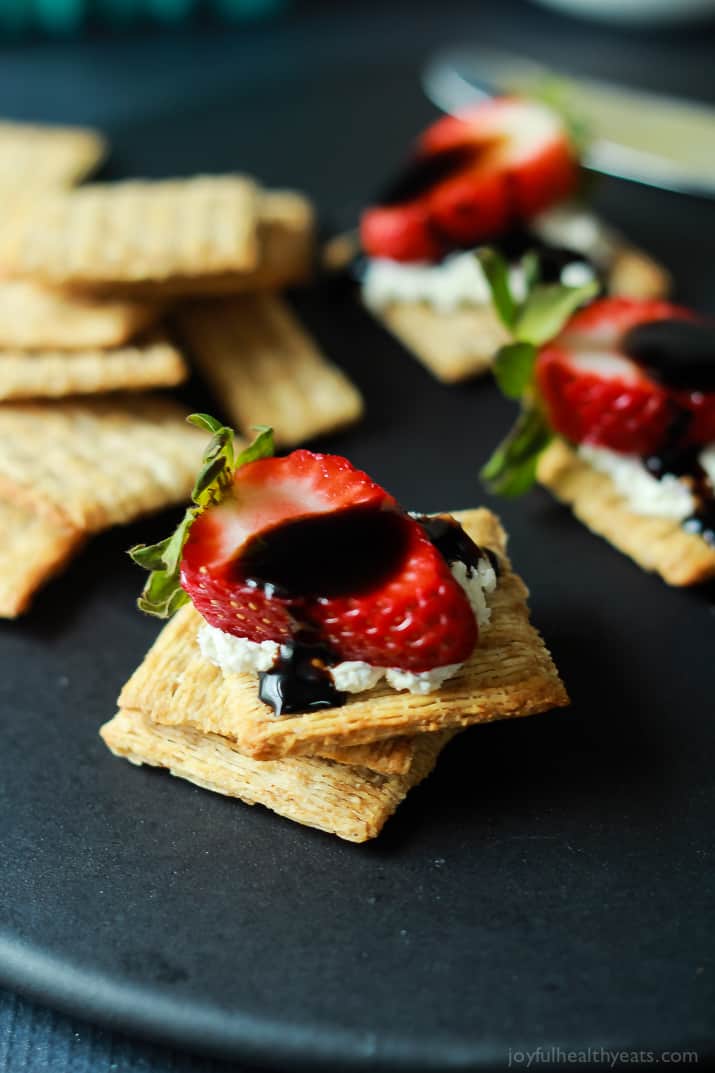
(349, 802)
(658, 545)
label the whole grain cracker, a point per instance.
(153, 362)
(114, 235)
(34, 317)
(349, 802)
(657, 544)
(33, 547)
(35, 156)
(285, 236)
(453, 346)
(98, 462)
(264, 368)
(510, 674)
(175, 657)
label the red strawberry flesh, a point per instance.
(309, 543)
(595, 393)
(473, 177)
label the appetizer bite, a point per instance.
(502, 172)
(619, 422)
(327, 642)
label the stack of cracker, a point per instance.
(88, 275)
(213, 252)
(343, 770)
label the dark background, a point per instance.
(325, 98)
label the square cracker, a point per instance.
(36, 156)
(110, 235)
(510, 674)
(175, 658)
(286, 240)
(34, 317)
(37, 374)
(33, 547)
(453, 346)
(657, 544)
(98, 462)
(264, 368)
(349, 802)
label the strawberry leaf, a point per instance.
(547, 308)
(496, 270)
(513, 368)
(162, 595)
(511, 470)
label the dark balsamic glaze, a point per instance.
(422, 173)
(677, 353)
(453, 544)
(299, 680)
(680, 459)
(352, 551)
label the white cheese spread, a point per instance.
(457, 281)
(667, 497)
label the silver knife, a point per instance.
(651, 138)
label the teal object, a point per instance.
(235, 10)
(65, 17)
(170, 10)
(58, 16)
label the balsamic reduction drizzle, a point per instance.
(299, 680)
(681, 459)
(422, 173)
(678, 353)
(453, 543)
(347, 552)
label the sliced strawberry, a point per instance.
(595, 393)
(473, 177)
(309, 543)
(400, 233)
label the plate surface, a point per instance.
(548, 886)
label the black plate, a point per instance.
(547, 887)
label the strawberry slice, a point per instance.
(473, 177)
(596, 393)
(308, 545)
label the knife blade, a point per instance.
(650, 138)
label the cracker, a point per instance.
(36, 156)
(33, 547)
(38, 374)
(656, 544)
(114, 235)
(33, 317)
(285, 235)
(634, 274)
(99, 462)
(453, 346)
(349, 802)
(175, 657)
(510, 674)
(264, 368)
